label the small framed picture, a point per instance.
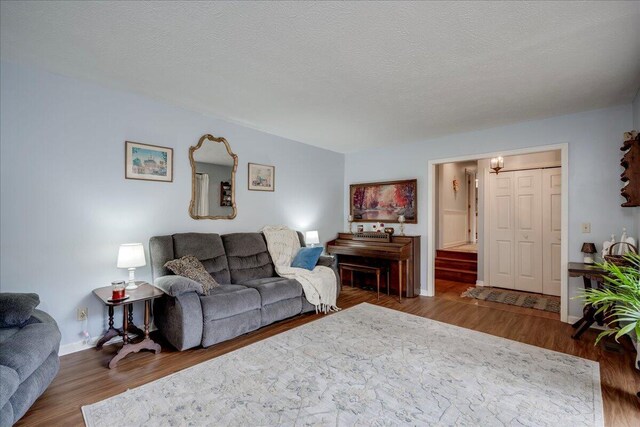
(148, 162)
(262, 177)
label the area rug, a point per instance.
(369, 365)
(521, 299)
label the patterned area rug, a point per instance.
(521, 299)
(369, 365)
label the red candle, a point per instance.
(117, 290)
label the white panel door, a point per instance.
(501, 247)
(528, 230)
(551, 226)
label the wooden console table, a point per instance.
(590, 273)
(145, 293)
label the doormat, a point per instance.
(521, 299)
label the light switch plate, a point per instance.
(586, 227)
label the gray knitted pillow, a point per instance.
(190, 267)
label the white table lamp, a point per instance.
(311, 237)
(131, 255)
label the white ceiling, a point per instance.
(343, 76)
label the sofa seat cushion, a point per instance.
(274, 289)
(228, 300)
(27, 349)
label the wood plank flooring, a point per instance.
(84, 378)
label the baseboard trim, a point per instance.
(423, 293)
(479, 282)
(574, 319)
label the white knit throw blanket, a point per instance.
(319, 285)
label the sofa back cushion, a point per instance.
(247, 256)
(207, 247)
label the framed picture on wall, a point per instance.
(262, 177)
(148, 162)
(385, 201)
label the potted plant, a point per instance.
(619, 299)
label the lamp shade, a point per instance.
(311, 237)
(589, 248)
(131, 255)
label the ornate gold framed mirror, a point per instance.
(213, 179)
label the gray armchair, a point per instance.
(29, 344)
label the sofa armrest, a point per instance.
(178, 285)
(179, 319)
(327, 261)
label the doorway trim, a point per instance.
(564, 197)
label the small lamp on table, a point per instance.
(588, 249)
(130, 256)
(311, 238)
(401, 220)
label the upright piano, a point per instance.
(400, 254)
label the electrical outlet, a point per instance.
(586, 227)
(83, 313)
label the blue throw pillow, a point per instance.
(307, 258)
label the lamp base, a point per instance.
(131, 284)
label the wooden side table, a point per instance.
(145, 293)
(589, 273)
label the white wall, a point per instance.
(594, 158)
(65, 204)
(636, 111)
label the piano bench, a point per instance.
(364, 269)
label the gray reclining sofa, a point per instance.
(251, 295)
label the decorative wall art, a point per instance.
(261, 177)
(148, 162)
(385, 201)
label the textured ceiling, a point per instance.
(343, 76)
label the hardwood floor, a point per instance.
(85, 379)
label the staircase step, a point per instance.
(468, 256)
(455, 275)
(459, 264)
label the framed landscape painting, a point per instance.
(148, 162)
(262, 177)
(385, 201)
